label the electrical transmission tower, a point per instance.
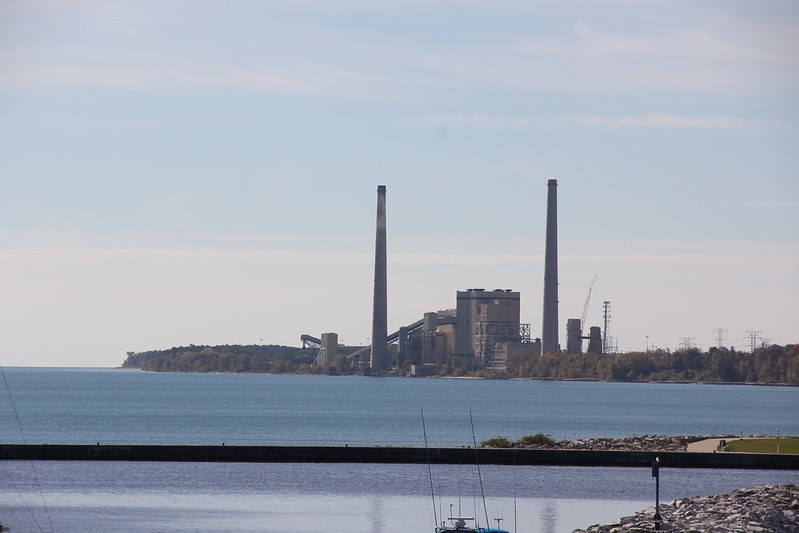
(606, 315)
(686, 343)
(720, 336)
(753, 335)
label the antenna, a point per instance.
(429, 471)
(606, 315)
(477, 461)
(33, 467)
(515, 518)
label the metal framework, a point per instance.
(524, 333)
(606, 316)
(310, 342)
(489, 336)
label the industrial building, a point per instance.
(488, 328)
(483, 332)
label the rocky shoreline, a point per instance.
(760, 509)
(645, 443)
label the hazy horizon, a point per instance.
(206, 172)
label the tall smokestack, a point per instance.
(549, 333)
(379, 359)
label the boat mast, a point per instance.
(429, 471)
(479, 475)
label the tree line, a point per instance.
(263, 359)
(772, 364)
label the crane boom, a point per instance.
(587, 300)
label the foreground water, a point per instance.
(90, 405)
(121, 497)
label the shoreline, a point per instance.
(498, 378)
(507, 378)
(769, 508)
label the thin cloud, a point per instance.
(773, 204)
(475, 120)
(163, 52)
(675, 121)
(724, 54)
(130, 242)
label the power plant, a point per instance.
(483, 331)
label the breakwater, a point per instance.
(392, 455)
(766, 509)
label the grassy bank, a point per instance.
(786, 445)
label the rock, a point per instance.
(651, 443)
(767, 509)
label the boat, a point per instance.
(461, 524)
(458, 524)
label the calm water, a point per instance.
(114, 406)
(111, 406)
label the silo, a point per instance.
(595, 340)
(574, 335)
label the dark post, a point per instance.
(656, 475)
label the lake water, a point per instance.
(114, 406)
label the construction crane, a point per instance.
(587, 301)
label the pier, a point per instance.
(392, 455)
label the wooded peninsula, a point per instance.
(770, 365)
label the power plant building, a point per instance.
(483, 332)
(328, 349)
(575, 337)
(486, 322)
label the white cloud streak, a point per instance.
(774, 204)
(675, 122)
(166, 50)
(475, 120)
(654, 120)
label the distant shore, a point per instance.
(507, 378)
(767, 365)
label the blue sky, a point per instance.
(204, 172)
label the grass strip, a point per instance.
(786, 445)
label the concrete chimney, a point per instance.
(549, 333)
(379, 358)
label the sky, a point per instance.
(205, 172)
